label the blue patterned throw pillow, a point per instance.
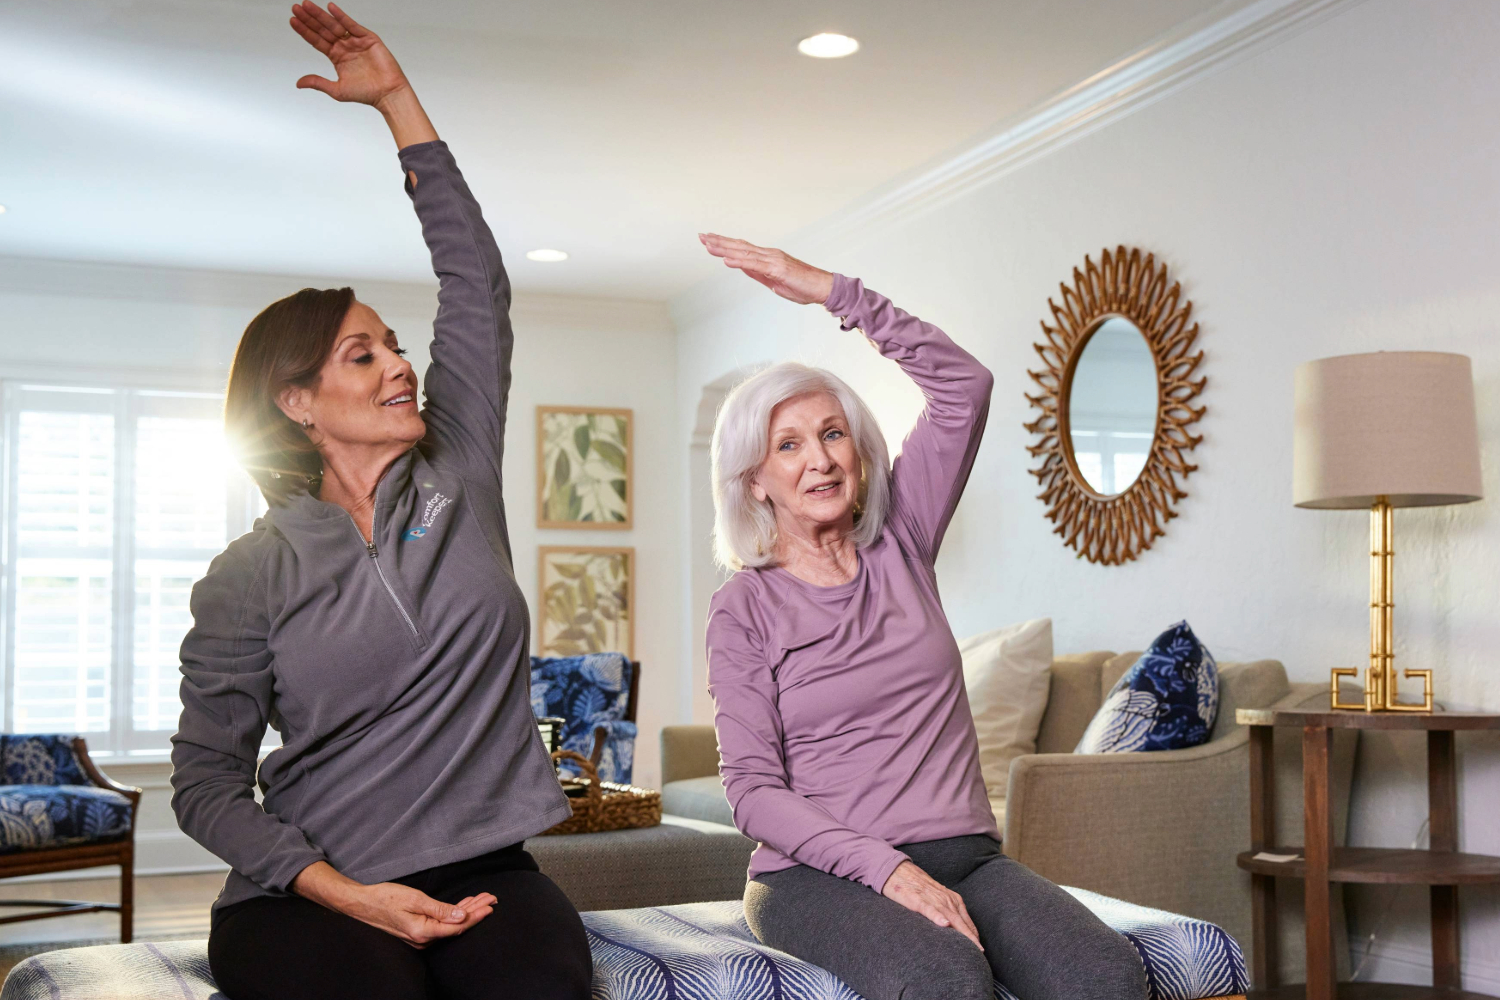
(1167, 701)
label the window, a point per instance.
(115, 502)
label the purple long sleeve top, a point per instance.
(844, 729)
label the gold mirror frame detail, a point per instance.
(1116, 529)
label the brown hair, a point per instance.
(284, 346)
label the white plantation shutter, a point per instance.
(119, 499)
(180, 525)
(64, 531)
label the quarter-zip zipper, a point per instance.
(375, 558)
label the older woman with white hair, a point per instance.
(847, 746)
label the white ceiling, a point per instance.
(169, 132)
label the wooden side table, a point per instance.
(1320, 864)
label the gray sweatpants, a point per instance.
(1040, 942)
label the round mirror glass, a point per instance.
(1112, 406)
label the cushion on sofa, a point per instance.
(696, 951)
(1113, 669)
(1006, 675)
(1073, 696)
(33, 817)
(697, 798)
(1167, 701)
(1255, 684)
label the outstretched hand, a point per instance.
(367, 72)
(781, 273)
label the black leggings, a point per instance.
(532, 945)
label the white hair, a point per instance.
(744, 527)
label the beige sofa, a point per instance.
(1159, 829)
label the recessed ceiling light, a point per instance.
(547, 256)
(828, 46)
(2, 209)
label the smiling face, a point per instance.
(811, 471)
(366, 396)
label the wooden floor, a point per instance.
(165, 905)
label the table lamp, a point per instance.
(1380, 431)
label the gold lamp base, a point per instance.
(1380, 677)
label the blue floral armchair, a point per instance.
(59, 813)
(596, 694)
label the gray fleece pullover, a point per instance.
(397, 672)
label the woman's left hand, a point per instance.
(781, 273)
(367, 72)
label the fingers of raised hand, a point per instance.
(348, 23)
(720, 245)
(310, 35)
(316, 20)
(326, 22)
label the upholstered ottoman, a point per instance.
(679, 861)
(695, 951)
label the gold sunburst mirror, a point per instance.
(1116, 406)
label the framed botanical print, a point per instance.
(583, 467)
(585, 600)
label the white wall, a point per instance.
(1332, 193)
(154, 326)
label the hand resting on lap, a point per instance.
(921, 893)
(399, 910)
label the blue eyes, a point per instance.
(830, 436)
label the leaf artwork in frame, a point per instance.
(583, 467)
(585, 600)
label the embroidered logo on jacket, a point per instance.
(429, 515)
(434, 508)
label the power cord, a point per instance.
(1385, 913)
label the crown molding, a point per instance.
(1230, 31)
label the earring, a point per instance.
(306, 424)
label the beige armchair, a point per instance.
(1160, 829)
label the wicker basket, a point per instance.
(606, 805)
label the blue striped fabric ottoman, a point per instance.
(694, 951)
(699, 951)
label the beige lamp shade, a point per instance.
(1398, 424)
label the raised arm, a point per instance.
(468, 382)
(754, 767)
(929, 475)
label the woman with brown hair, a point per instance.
(372, 618)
